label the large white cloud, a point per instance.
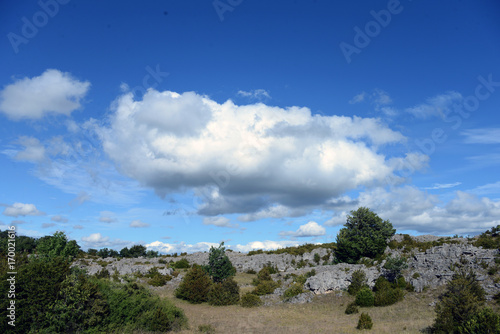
(22, 209)
(244, 159)
(52, 92)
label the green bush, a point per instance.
(194, 286)
(358, 281)
(364, 298)
(365, 235)
(225, 293)
(264, 274)
(265, 288)
(294, 290)
(387, 293)
(250, 300)
(364, 322)
(351, 308)
(207, 329)
(251, 272)
(483, 321)
(132, 307)
(388, 297)
(489, 239)
(460, 303)
(156, 278)
(57, 245)
(181, 264)
(394, 266)
(103, 273)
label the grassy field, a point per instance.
(324, 315)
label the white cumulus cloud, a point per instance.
(22, 209)
(311, 229)
(244, 159)
(53, 92)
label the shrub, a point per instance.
(156, 278)
(416, 275)
(103, 273)
(294, 290)
(181, 264)
(401, 283)
(358, 281)
(483, 321)
(460, 302)
(365, 235)
(57, 245)
(251, 272)
(194, 286)
(351, 308)
(364, 322)
(225, 293)
(317, 258)
(219, 265)
(388, 297)
(264, 274)
(250, 300)
(364, 298)
(265, 288)
(132, 307)
(394, 266)
(387, 293)
(207, 329)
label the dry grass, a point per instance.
(324, 315)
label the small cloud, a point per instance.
(19, 222)
(380, 97)
(482, 136)
(21, 209)
(33, 151)
(437, 106)
(256, 94)
(59, 219)
(219, 222)
(166, 237)
(107, 217)
(53, 92)
(311, 229)
(358, 98)
(81, 198)
(78, 227)
(47, 225)
(97, 240)
(443, 185)
(138, 224)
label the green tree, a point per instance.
(219, 265)
(365, 235)
(57, 245)
(459, 304)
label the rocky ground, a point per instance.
(429, 268)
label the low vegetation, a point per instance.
(51, 297)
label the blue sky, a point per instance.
(180, 124)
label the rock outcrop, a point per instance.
(426, 269)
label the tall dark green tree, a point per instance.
(365, 235)
(219, 265)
